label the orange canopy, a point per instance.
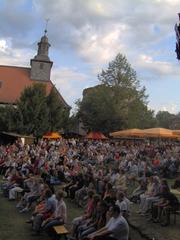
(95, 136)
(158, 132)
(176, 132)
(134, 132)
(52, 135)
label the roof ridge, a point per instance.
(14, 66)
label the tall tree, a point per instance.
(97, 110)
(33, 111)
(119, 102)
(165, 119)
(58, 114)
(8, 116)
(119, 73)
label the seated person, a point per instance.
(167, 201)
(59, 217)
(90, 210)
(35, 192)
(151, 194)
(135, 197)
(123, 204)
(46, 212)
(176, 186)
(98, 221)
(116, 228)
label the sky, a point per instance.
(85, 35)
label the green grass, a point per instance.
(12, 223)
(13, 226)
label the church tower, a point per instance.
(41, 64)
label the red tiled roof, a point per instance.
(13, 80)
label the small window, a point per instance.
(41, 65)
(0, 84)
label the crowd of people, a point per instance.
(95, 175)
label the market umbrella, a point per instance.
(158, 132)
(95, 136)
(176, 132)
(52, 135)
(134, 132)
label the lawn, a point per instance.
(13, 226)
(12, 223)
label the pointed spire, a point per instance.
(45, 31)
(43, 46)
(41, 63)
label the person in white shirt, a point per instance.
(123, 203)
(59, 216)
(116, 228)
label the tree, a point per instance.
(35, 113)
(32, 117)
(58, 114)
(176, 122)
(118, 102)
(165, 119)
(97, 111)
(8, 118)
(119, 73)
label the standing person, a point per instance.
(116, 228)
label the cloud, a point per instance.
(99, 48)
(13, 56)
(93, 31)
(3, 45)
(15, 19)
(68, 74)
(166, 106)
(69, 82)
(89, 23)
(157, 69)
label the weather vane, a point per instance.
(45, 31)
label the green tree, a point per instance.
(165, 119)
(118, 103)
(97, 111)
(8, 118)
(119, 73)
(58, 114)
(3, 122)
(176, 122)
(33, 112)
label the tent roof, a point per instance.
(151, 132)
(52, 135)
(176, 132)
(129, 132)
(95, 136)
(17, 135)
(158, 132)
